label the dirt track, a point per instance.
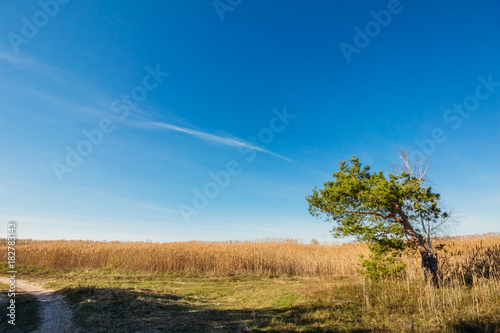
(55, 312)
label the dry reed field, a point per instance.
(272, 256)
(280, 256)
(282, 285)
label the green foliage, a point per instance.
(383, 211)
(383, 262)
(373, 206)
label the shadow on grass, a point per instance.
(476, 326)
(27, 312)
(129, 310)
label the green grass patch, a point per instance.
(121, 301)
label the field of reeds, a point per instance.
(263, 257)
(264, 286)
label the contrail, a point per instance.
(233, 142)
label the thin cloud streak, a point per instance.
(233, 142)
(16, 60)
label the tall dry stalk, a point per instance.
(269, 257)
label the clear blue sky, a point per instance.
(296, 76)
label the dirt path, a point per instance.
(55, 312)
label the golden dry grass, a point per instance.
(282, 256)
(275, 257)
(319, 288)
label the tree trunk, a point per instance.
(430, 268)
(429, 259)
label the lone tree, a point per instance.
(385, 210)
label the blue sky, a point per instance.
(266, 97)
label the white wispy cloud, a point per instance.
(16, 60)
(224, 140)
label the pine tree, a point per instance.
(382, 209)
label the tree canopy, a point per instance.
(374, 207)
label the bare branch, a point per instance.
(417, 167)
